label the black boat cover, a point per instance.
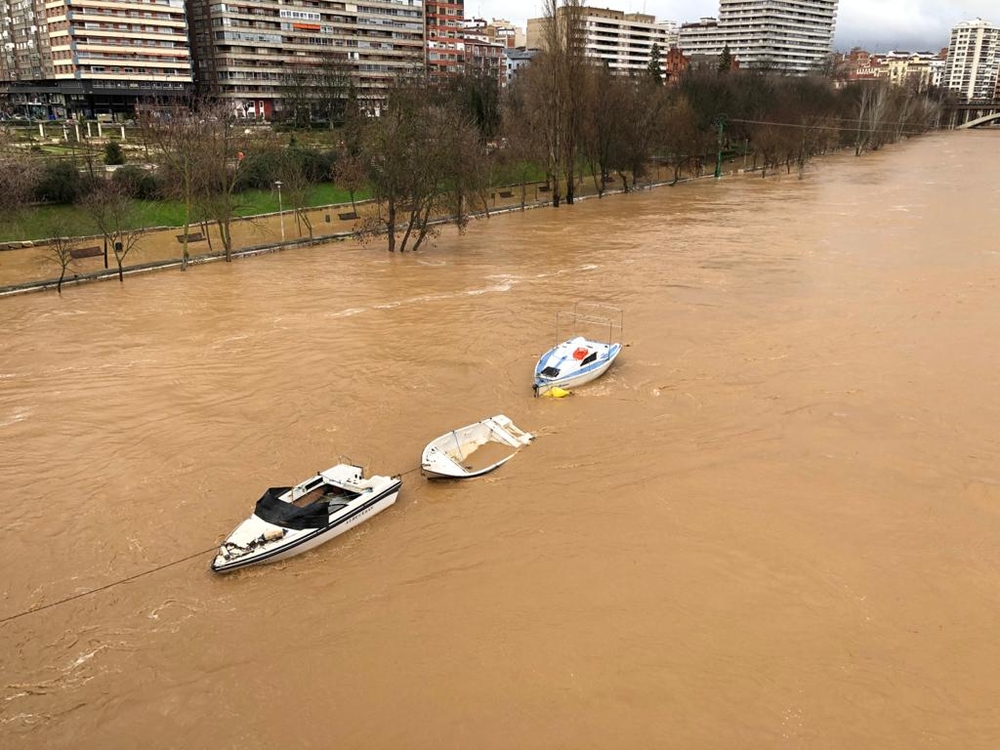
(313, 516)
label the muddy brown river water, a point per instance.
(774, 523)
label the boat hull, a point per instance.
(443, 456)
(440, 470)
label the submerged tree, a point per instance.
(59, 251)
(423, 160)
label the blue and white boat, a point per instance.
(580, 359)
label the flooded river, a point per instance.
(774, 523)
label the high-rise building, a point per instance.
(973, 63)
(65, 57)
(258, 54)
(794, 36)
(262, 55)
(624, 41)
(444, 30)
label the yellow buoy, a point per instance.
(557, 392)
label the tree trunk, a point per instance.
(184, 245)
(391, 224)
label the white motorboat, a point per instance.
(290, 520)
(580, 359)
(473, 450)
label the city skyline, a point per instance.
(876, 25)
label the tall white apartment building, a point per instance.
(622, 40)
(794, 36)
(973, 63)
(65, 57)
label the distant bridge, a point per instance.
(974, 114)
(984, 120)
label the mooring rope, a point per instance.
(112, 584)
(105, 586)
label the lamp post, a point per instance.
(281, 215)
(720, 122)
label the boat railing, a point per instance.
(594, 314)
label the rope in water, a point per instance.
(129, 579)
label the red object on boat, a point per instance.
(581, 352)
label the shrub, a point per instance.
(113, 153)
(138, 183)
(60, 183)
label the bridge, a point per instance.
(974, 114)
(984, 120)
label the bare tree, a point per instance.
(572, 75)
(59, 251)
(601, 145)
(349, 173)
(423, 160)
(524, 142)
(296, 187)
(223, 143)
(681, 137)
(333, 83)
(644, 115)
(873, 106)
(173, 134)
(113, 210)
(550, 95)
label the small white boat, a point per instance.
(579, 359)
(473, 450)
(290, 520)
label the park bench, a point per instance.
(86, 252)
(348, 216)
(195, 237)
(506, 194)
(544, 189)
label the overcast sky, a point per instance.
(877, 25)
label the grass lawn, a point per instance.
(47, 221)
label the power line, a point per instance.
(822, 127)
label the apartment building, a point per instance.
(794, 36)
(504, 31)
(444, 31)
(624, 41)
(497, 31)
(255, 53)
(484, 55)
(66, 57)
(913, 69)
(972, 67)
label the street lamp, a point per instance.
(719, 122)
(281, 215)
